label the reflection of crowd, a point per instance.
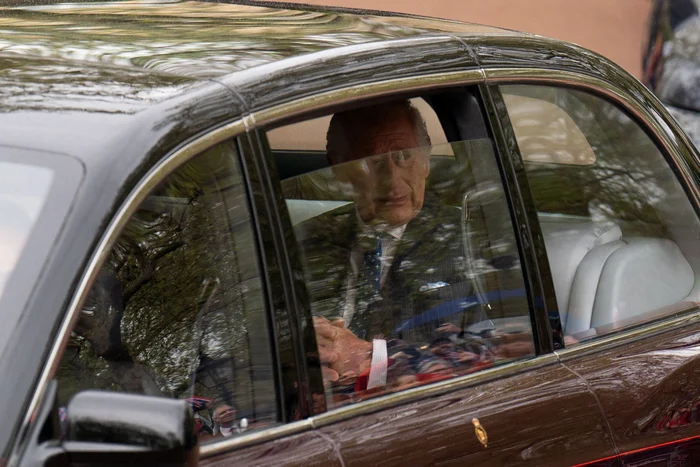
(216, 419)
(454, 354)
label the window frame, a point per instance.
(314, 106)
(234, 131)
(681, 157)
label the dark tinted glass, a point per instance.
(177, 309)
(409, 252)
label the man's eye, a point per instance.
(402, 157)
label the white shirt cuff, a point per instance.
(380, 362)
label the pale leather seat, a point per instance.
(602, 278)
(643, 275)
(570, 245)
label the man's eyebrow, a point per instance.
(387, 140)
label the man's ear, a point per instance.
(341, 173)
(339, 170)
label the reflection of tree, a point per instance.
(629, 181)
(181, 286)
(202, 39)
(49, 85)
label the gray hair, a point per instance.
(338, 142)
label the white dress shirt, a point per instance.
(380, 359)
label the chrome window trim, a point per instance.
(319, 102)
(380, 403)
(625, 336)
(351, 94)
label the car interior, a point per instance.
(311, 189)
(620, 234)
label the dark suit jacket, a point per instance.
(428, 270)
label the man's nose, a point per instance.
(388, 169)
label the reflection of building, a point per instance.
(616, 29)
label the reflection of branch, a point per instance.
(147, 271)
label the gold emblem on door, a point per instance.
(480, 432)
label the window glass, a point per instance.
(23, 192)
(177, 310)
(409, 252)
(621, 235)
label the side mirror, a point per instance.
(111, 428)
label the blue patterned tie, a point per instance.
(373, 263)
(368, 284)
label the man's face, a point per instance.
(225, 415)
(390, 186)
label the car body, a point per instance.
(104, 103)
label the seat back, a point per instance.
(568, 241)
(643, 275)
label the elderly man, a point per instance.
(225, 423)
(387, 261)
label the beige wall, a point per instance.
(614, 28)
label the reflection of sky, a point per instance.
(23, 191)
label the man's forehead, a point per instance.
(382, 121)
(398, 139)
(392, 129)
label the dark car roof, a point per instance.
(201, 39)
(102, 66)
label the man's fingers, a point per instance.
(324, 328)
(327, 355)
(328, 374)
(338, 322)
(347, 377)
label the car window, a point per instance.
(23, 192)
(620, 233)
(409, 252)
(177, 309)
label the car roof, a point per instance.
(202, 39)
(76, 75)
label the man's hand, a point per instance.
(448, 328)
(341, 351)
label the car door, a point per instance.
(523, 407)
(626, 290)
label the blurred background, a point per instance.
(617, 29)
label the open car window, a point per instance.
(407, 243)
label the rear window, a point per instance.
(23, 193)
